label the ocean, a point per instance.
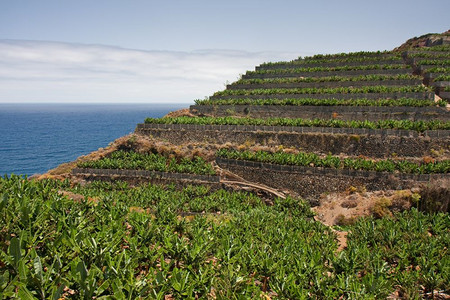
(35, 138)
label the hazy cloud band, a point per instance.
(36, 71)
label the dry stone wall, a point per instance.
(351, 141)
(311, 182)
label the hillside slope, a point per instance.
(214, 201)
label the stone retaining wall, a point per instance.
(441, 84)
(310, 182)
(352, 141)
(370, 113)
(445, 95)
(429, 78)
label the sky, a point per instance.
(145, 51)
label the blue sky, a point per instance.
(178, 51)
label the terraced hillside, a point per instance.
(209, 202)
(353, 118)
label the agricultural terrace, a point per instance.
(336, 78)
(342, 59)
(151, 161)
(335, 162)
(351, 54)
(324, 102)
(434, 62)
(429, 55)
(437, 70)
(419, 126)
(331, 69)
(339, 90)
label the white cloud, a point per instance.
(35, 71)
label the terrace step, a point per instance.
(421, 69)
(330, 73)
(326, 84)
(360, 113)
(413, 95)
(351, 141)
(408, 53)
(329, 64)
(415, 60)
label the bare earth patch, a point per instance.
(339, 208)
(185, 112)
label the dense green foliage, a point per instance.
(131, 243)
(330, 161)
(338, 90)
(323, 102)
(330, 69)
(150, 161)
(383, 124)
(328, 79)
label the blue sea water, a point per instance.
(35, 138)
